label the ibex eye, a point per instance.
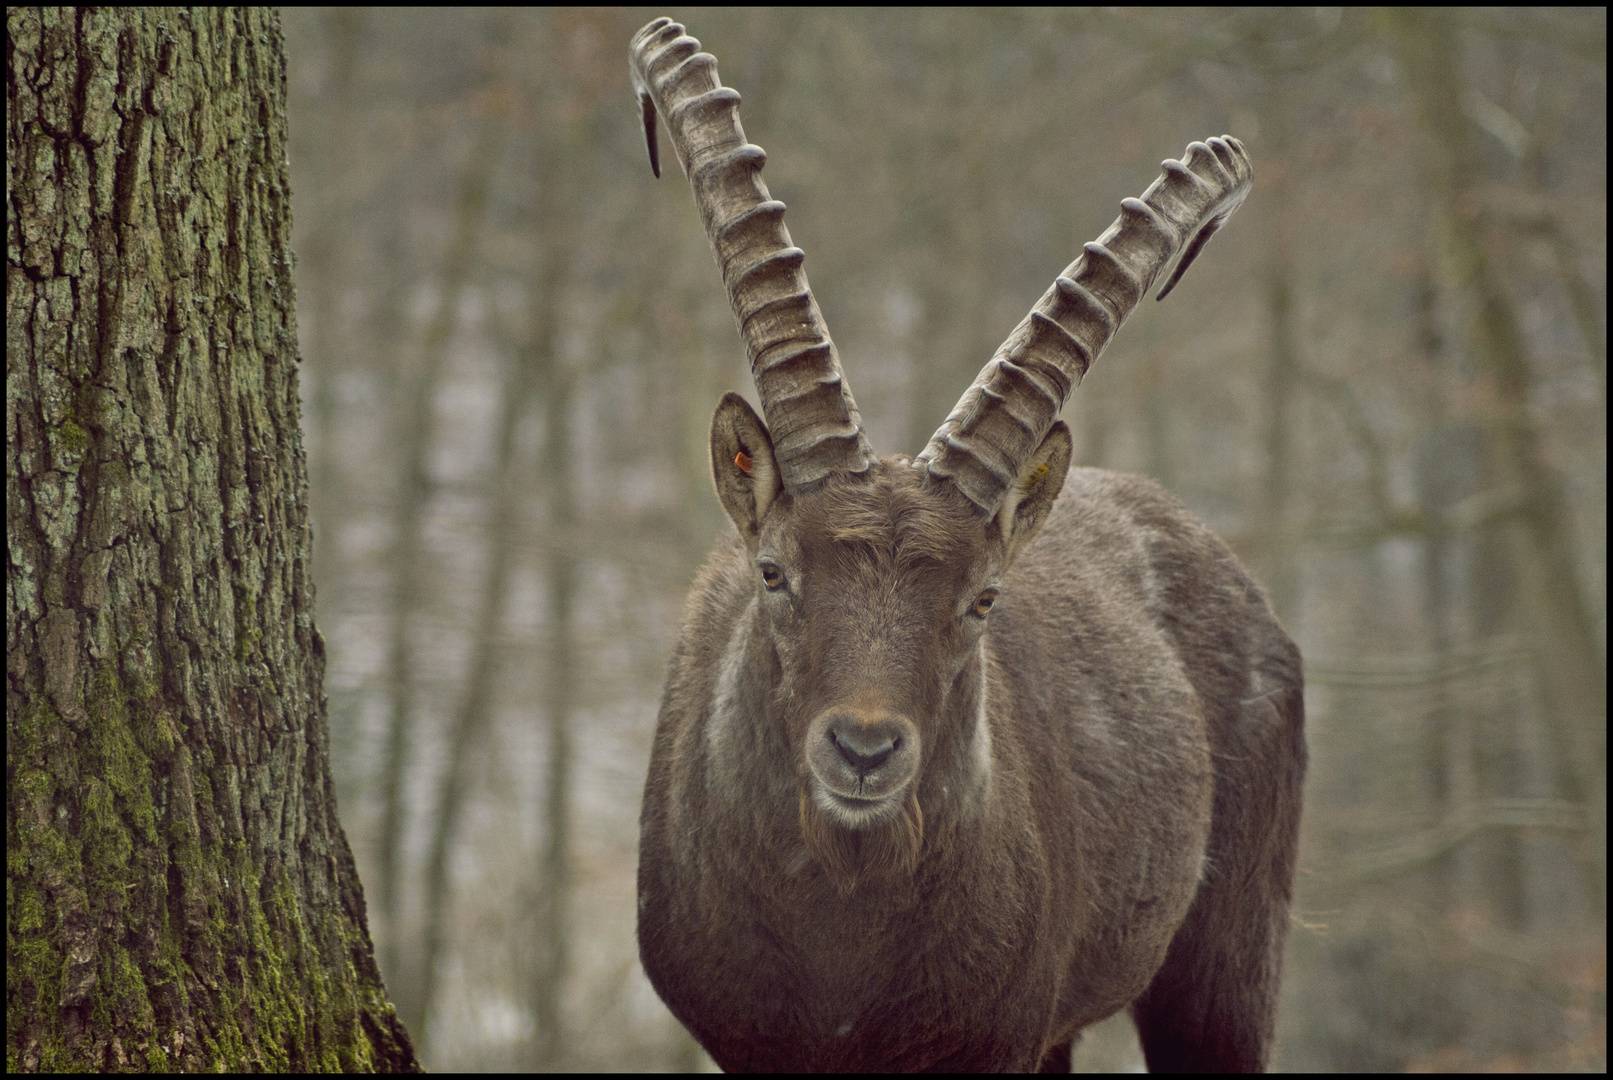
(772, 577)
(983, 603)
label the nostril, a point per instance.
(862, 749)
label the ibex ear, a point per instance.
(1027, 502)
(742, 464)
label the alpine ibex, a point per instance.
(958, 753)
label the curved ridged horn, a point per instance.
(813, 421)
(1008, 409)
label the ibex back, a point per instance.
(959, 753)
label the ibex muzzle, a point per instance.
(861, 760)
(958, 753)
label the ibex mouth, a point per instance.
(856, 811)
(862, 763)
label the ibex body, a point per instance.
(962, 753)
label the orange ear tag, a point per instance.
(743, 462)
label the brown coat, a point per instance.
(1120, 831)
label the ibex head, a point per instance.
(875, 579)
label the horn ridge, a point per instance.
(1109, 278)
(1009, 408)
(772, 269)
(807, 355)
(789, 316)
(759, 228)
(1078, 311)
(809, 410)
(1048, 336)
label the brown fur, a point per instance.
(1108, 765)
(890, 849)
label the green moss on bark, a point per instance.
(73, 439)
(275, 1004)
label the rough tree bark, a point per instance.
(179, 893)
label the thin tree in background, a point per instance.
(325, 259)
(179, 892)
(1447, 737)
(413, 430)
(578, 35)
(469, 730)
(1282, 377)
(560, 584)
(1573, 675)
(472, 722)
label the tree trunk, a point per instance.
(1571, 663)
(554, 913)
(473, 721)
(413, 435)
(1277, 565)
(1444, 475)
(179, 893)
(325, 278)
(542, 372)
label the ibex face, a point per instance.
(874, 591)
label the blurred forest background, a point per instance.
(1384, 384)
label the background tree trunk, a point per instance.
(179, 893)
(1571, 663)
(413, 433)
